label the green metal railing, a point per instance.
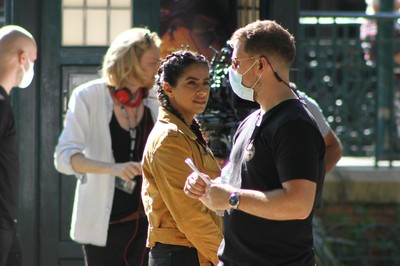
(355, 94)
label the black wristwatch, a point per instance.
(234, 199)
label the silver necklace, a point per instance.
(132, 130)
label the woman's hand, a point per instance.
(127, 170)
(195, 187)
(214, 196)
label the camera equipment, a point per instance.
(225, 109)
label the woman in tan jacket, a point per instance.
(182, 231)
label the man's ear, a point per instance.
(22, 56)
(262, 62)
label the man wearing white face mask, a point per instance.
(278, 159)
(18, 53)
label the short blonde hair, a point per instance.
(122, 60)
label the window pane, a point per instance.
(96, 3)
(96, 27)
(120, 21)
(94, 22)
(72, 27)
(73, 3)
(120, 3)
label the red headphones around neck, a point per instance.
(126, 97)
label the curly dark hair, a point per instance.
(171, 69)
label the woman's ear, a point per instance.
(167, 89)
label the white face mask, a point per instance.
(240, 90)
(27, 76)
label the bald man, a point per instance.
(18, 53)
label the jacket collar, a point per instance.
(166, 116)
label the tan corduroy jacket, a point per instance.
(173, 217)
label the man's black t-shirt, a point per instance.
(286, 146)
(9, 167)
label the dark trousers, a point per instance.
(173, 255)
(126, 246)
(10, 248)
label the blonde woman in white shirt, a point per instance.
(105, 129)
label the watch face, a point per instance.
(234, 199)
